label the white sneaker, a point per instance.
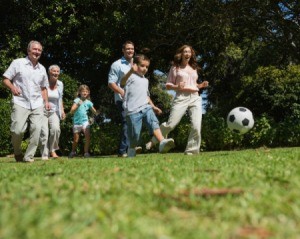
(165, 145)
(45, 158)
(188, 153)
(122, 155)
(149, 145)
(28, 160)
(131, 152)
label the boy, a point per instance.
(139, 108)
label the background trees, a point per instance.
(248, 49)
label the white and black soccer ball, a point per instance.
(240, 120)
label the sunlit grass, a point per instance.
(154, 196)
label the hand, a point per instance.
(63, 115)
(15, 91)
(134, 68)
(157, 110)
(204, 84)
(47, 106)
(181, 85)
(122, 92)
(79, 103)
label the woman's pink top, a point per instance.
(187, 75)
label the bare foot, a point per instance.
(54, 155)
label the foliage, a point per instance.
(154, 196)
(216, 135)
(5, 142)
(263, 133)
(272, 91)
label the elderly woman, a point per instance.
(50, 132)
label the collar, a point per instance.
(28, 62)
(124, 61)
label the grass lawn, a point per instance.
(226, 194)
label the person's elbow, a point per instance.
(110, 85)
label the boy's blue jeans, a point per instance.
(135, 122)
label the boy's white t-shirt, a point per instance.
(136, 94)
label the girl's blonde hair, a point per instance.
(82, 88)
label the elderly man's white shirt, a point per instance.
(29, 79)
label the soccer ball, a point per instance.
(240, 120)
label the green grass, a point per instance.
(153, 196)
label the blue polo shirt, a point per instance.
(117, 70)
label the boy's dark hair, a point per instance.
(140, 57)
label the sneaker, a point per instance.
(28, 160)
(149, 145)
(188, 153)
(45, 158)
(131, 152)
(72, 155)
(124, 155)
(86, 155)
(165, 145)
(19, 158)
(138, 149)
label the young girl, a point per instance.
(80, 108)
(139, 107)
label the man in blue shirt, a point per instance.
(118, 69)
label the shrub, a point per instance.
(5, 136)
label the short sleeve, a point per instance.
(113, 75)
(172, 76)
(10, 73)
(76, 101)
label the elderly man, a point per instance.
(27, 80)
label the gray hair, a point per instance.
(53, 66)
(33, 42)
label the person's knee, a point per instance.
(55, 130)
(18, 131)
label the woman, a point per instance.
(50, 132)
(182, 78)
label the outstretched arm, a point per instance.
(94, 111)
(128, 74)
(204, 84)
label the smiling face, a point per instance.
(142, 67)
(34, 52)
(128, 51)
(54, 73)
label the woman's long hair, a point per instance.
(178, 57)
